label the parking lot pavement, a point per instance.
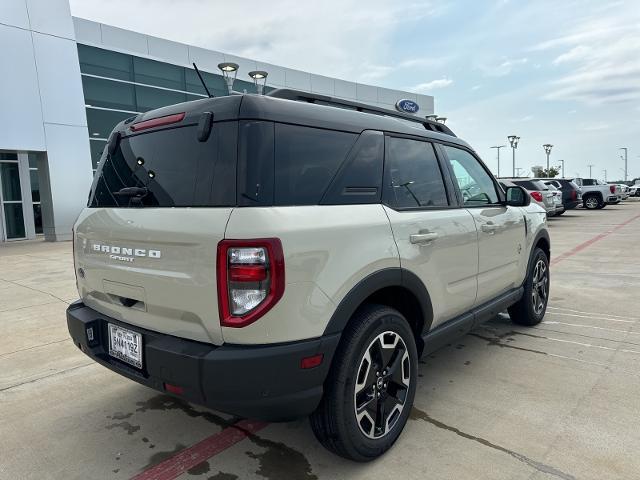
(556, 401)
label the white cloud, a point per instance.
(476, 87)
(575, 54)
(602, 54)
(432, 85)
(503, 68)
(340, 38)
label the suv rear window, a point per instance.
(174, 168)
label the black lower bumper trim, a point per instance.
(263, 382)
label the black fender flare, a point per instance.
(542, 234)
(388, 277)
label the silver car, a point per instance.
(538, 191)
(557, 198)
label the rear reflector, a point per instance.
(311, 362)
(175, 389)
(247, 273)
(158, 122)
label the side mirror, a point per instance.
(517, 197)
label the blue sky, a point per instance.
(559, 72)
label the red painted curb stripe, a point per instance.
(190, 457)
(591, 241)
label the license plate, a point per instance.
(125, 345)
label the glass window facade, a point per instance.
(117, 86)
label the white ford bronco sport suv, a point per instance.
(292, 254)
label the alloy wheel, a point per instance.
(382, 385)
(592, 202)
(539, 291)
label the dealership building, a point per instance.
(66, 82)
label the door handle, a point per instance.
(489, 228)
(422, 238)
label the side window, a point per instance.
(359, 180)
(306, 159)
(476, 185)
(413, 176)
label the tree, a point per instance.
(540, 172)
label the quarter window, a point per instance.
(306, 159)
(476, 185)
(414, 178)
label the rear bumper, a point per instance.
(262, 382)
(573, 204)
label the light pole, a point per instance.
(229, 68)
(625, 161)
(605, 175)
(547, 149)
(513, 140)
(590, 167)
(259, 79)
(562, 167)
(498, 147)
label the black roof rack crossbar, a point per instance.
(301, 96)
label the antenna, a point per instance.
(202, 80)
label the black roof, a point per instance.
(321, 112)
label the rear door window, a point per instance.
(413, 176)
(170, 168)
(306, 160)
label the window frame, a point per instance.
(496, 185)
(446, 180)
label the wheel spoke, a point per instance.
(382, 384)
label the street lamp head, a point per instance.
(433, 118)
(513, 140)
(441, 120)
(228, 69)
(547, 148)
(259, 79)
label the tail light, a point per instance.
(250, 279)
(537, 196)
(574, 194)
(612, 188)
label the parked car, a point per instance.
(538, 192)
(571, 194)
(557, 198)
(624, 191)
(634, 190)
(331, 247)
(595, 193)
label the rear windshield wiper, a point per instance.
(132, 192)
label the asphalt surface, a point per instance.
(558, 401)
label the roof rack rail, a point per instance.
(301, 96)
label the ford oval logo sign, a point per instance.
(408, 106)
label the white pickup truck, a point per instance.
(597, 194)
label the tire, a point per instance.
(530, 309)
(336, 423)
(601, 206)
(591, 202)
